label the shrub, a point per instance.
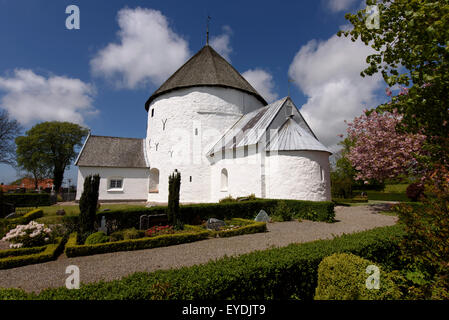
(88, 204)
(31, 235)
(74, 250)
(173, 213)
(312, 210)
(28, 199)
(282, 212)
(278, 273)
(415, 191)
(8, 224)
(133, 233)
(244, 227)
(50, 252)
(158, 230)
(227, 199)
(343, 276)
(97, 237)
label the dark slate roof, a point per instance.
(100, 151)
(206, 68)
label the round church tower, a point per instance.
(187, 115)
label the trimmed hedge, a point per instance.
(20, 251)
(249, 227)
(279, 273)
(311, 210)
(28, 199)
(74, 250)
(387, 196)
(51, 252)
(343, 276)
(8, 224)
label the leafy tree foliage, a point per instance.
(379, 151)
(49, 147)
(9, 130)
(411, 47)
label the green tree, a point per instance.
(174, 185)
(52, 146)
(342, 177)
(411, 47)
(88, 204)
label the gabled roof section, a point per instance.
(101, 151)
(205, 68)
(290, 134)
(292, 137)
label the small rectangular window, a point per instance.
(190, 178)
(152, 113)
(115, 184)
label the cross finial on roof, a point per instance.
(207, 30)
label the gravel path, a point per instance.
(111, 266)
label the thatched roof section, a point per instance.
(206, 68)
(100, 151)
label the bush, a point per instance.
(28, 199)
(133, 233)
(51, 252)
(74, 250)
(311, 210)
(173, 213)
(89, 203)
(279, 273)
(30, 235)
(8, 224)
(343, 276)
(245, 227)
(97, 237)
(227, 199)
(282, 212)
(415, 191)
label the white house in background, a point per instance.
(207, 122)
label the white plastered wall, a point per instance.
(135, 182)
(185, 125)
(301, 175)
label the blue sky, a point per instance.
(101, 75)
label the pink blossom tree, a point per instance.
(380, 151)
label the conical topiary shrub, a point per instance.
(174, 185)
(88, 205)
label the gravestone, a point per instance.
(144, 221)
(262, 216)
(103, 225)
(214, 224)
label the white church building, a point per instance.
(208, 123)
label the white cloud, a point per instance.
(263, 82)
(328, 73)
(221, 43)
(340, 5)
(31, 98)
(148, 50)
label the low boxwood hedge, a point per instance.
(194, 213)
(28, 199)
(279, 273)
(74, 250)
(20, 251)
(247, 227)
(8, 224)
(50, 252)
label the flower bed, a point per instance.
(24, 256)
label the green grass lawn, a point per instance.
(400, 188)
(50, 216)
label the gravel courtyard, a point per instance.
(112, 266)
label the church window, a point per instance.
(224, 180)
(152, 113)
(190, 178)
(196, 131)
(115, 184)
(154, 181)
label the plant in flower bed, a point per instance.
(30, 235)
(158, 230)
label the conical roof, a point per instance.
(206, 68)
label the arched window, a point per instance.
(224, 180)
(154, 181)
(152, 113)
